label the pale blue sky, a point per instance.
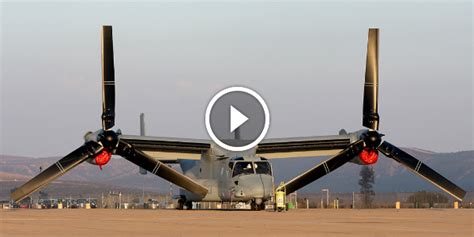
(305, 59)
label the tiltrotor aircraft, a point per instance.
(211, 173)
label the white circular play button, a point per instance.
(237, 118)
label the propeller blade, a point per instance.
(421, 169)
(156, 167)
(370, 117)
(81, 154)
(108, 79)
(326, 167)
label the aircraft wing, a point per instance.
(169, 150)
(298, 147)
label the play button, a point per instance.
(237, 119)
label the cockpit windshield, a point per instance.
(247, 167)
(263, 167)
(242, 167)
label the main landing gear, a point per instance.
(184, 205)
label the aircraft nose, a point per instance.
(254, 186)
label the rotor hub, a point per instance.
(109, 140)
(369, 156)
(372, 139)
(102, 158)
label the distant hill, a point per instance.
(390, 176)
(85, 179)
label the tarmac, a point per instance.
(301, 222)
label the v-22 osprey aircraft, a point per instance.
(211, 173)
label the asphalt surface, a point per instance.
(313, 222)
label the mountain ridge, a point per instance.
(389, 175)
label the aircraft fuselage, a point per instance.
(229, 176)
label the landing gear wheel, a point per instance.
(180, 205)
(257, 207)
(189, 205)
(253, 206)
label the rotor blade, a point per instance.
(326, 167)
(156, 167)
(108, 79)
(370, 118)
(421, 169)
(58, 169)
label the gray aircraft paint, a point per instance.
(212, 169)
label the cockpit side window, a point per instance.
(243, 167)
(263, 167)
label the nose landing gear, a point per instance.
(257, 205)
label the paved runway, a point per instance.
(315, 222)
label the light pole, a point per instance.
(141, 170)
(353, 200)
(296, 200)
(143, 191)
(327, 196)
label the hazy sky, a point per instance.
(306, 60)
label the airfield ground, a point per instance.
(315, 222)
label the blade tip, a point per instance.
(107, 29)
(374, 31)
(15, 197)
(461, 196)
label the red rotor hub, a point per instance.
(102, 158)
(369, 156)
